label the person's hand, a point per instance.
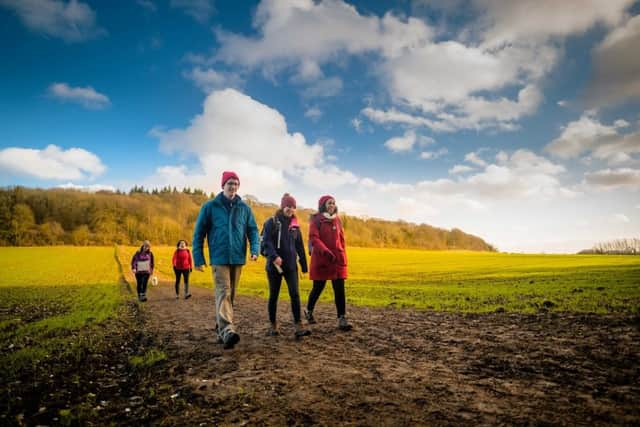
(200, 268)
(331, 256)
(254, 257)
(133, 270)
(278, 261)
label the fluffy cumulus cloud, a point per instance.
(72, 21)
(616, 76)
(209, 79)
(85, 96)
(588, 135)
(608, 179)
(51, 163)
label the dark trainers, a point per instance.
(177, 296)
(273, 331)
(187, 296)
(300, 331)
(343, 325)
(309, 316)
(231, 341)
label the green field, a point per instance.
(50, 299)
(463, 280)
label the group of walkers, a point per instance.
(228, 224)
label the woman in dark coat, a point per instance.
(142, 267)
(284, 249)
(328, 258)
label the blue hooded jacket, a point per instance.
(227, 225)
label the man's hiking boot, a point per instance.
(309, 316)
(343, 325)
(218, 337)
(300, 331)
(231, 340)
(273, 330)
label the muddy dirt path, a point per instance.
(398, 367)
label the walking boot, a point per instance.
(273, 331)
(309, 316)
(300, 331)
(343, 325)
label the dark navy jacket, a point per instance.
(291, 245)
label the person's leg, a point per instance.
(339, 296)
(318, 286)
(177, 285)
(222, 276)
(291, 277)
(275, 281)
(234, 274)
(341, 304)
(185, 274)
(145, 280)
(139, 284)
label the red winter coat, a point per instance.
(182, 259)
(328, 257)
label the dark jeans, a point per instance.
(185, 275)
(338, 292)
(141, 280)
(275, 280)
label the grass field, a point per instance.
(462, 281)
(49, 294)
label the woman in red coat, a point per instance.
(328, 258)
(182, 266)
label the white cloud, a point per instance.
(608, 179)
(432, 155)
(323, 88)
(85, 96)
(562, 103)
(51, 163)
(313, 113)
(621, 218)
(357, 124)
(200, 10)
(209, 79)
(475, 159)
(88, 188)
(402, 143)
(71, 21)
(616, 76)
(588, 135)
(460, 169)
(509, 21)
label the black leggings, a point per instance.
(338, 292)
(185, 275)
(275, 280)
(141, 281)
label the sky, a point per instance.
(516, 121)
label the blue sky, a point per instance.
(515, 121)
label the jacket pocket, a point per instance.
(341, 258)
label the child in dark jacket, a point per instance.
(182, 266)
(284, 248)
(142, 266)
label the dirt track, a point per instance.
(430, 368)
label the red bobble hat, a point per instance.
(287, 200)
(227, 175)
(323, 200)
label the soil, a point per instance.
(396, 367)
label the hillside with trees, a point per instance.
(34, 217)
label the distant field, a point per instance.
(463, 281)
(47, 294)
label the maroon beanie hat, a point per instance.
(287, 200)
(323, 200)
(227, 175)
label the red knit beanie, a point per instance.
(287, 200)
(323, 200)
(227, 175)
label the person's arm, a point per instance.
(174, 259)
(151, 263)
(253, 235)
(316, 242)
(269, 242)
(190, 260)
(302, 256)
(134, 262)
(199, 233)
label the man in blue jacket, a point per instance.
(227, 222)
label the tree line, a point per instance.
(615, 247)
(35, 217)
